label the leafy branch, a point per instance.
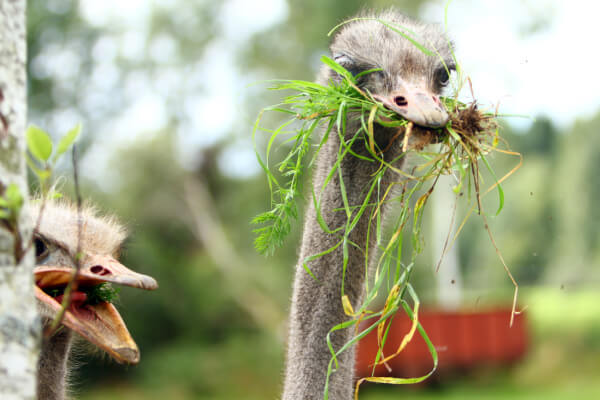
(41, 158)
(42, 155)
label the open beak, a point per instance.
(99, 323)
(416, 104)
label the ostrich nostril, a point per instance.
(400, 101)
(100, 270)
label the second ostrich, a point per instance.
(408, 82)
(57, 242)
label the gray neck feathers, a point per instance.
(316, 304)
(52, 366)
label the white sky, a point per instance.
(550, 72)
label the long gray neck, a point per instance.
(316, 304)
(52, 366)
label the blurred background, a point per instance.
(168, 90)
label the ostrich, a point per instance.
(56, 243)
(408, 83)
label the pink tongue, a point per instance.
(77, 307)
(77, 298)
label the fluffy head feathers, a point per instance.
(100, 234)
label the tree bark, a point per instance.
(19, 322)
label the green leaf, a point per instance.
(11, 202)
(55, 195)
(405, 32)
(38, 143)
(369, 71)
(13, 196)
(500, 191)
(67, 140)
(337, 68)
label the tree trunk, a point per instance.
(19, 323)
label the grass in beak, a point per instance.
(101, 293)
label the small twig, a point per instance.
(409, 127)
(38, 222)
(475, 171)
(471, 88)
(393, 139)
(514, 282)
(72, 285)
(446, 248)
(319, 114)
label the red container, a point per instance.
(463, 340)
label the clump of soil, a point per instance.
(470, 124)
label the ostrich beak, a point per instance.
(99, 323)
(416, 104)
(95, 269)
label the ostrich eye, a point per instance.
(348, 63)
(343, 60)
(443, 75)
(41, 250)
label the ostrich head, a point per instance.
(409, 81)
(56, 245)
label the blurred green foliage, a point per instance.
(197, 336)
